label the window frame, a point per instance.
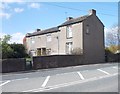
(68, 31)
(49, 37)
(32, 40)
(87, 29)
(68, 51)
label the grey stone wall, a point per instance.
(13, 65)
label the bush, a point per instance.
(77, 51)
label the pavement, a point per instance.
(85, 78)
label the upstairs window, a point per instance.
(49, 38)
(33, 40)
(87, 29)
(69, 31)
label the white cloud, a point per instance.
(2, 34)
(17, 37)
(5, 15)
(12, 1)
(18, 10)
(34, 5)
(4, 6)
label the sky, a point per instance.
(19, 18)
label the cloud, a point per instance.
(34, 5)
(4, 6)
(18, 10)
(5, 15)
(12, 1)
(17, 38)
(2, 34)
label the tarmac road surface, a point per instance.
(86, 78)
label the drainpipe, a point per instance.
(58, 42)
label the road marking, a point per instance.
(115, 67)
(103, 71)
(81, 76)
(45, 82)
(19, 79)
(58, 86)
(5, 83)
(67, 84)
(16, 79)
(115, 74)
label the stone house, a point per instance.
(79, 36)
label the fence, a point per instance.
(13, 65)
(54, 61)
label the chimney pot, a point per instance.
(92, 11)
(38, 30)
(69, 18)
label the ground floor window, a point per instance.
(33, 53)
(68, 47)
(41, 51)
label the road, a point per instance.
(85, 78)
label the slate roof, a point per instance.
(74, 20)
(56, 29)
(50, 30)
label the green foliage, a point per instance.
(12, 50)
(18, 50)
(113, 48)
(6, 51)
(6, 39)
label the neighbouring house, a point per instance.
(77, 36)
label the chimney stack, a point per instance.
(92, 11)
(38, 30)
(69, 18)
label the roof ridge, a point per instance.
(74, 20)
(49, 30)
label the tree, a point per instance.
(113, 48)
(6, 49)
(18, 51)
(112, 36)
(112, 39)
(12, 50)
(6, 39)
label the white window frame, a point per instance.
(69, 47)
(69, 31)
(33, 40)
(49, 38)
